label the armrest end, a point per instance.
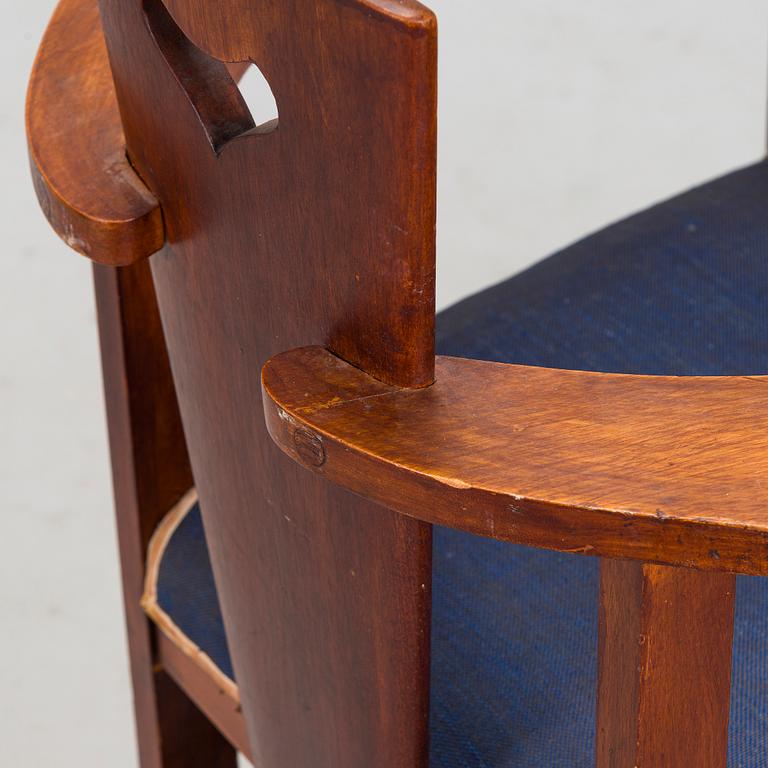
(662, 469)
(86, 187)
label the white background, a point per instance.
(555, 118)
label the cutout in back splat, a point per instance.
(225, 111)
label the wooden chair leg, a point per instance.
(664, 666)
(150, 471)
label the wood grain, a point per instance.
(213, 94)
(321, 231)
(150, 471)
(218, 705)
(87, 189)
(318, 232)
(664, 666)
(665, 469)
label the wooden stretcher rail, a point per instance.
(218, 705)
(664, 469)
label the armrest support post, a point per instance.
(665, 640)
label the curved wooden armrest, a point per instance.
(666, 469)
(86, 187)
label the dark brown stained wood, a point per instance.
(353, 128)
(318, 232)
(666, 469)
(664, 666)
(150, 471)
(221, 110)
(219, 707)
(187, 738)
(86, 187)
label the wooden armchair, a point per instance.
(274, 284)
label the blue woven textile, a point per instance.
(679, 289)
(187, 593)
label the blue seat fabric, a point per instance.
(681, 288)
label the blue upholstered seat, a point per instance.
(681, 288)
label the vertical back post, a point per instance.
(319, 230)
(150, 471)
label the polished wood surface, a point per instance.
(349, 123)
(666, 469)
(150, 471)
(664, 666)
(320, 231)
(86, 187)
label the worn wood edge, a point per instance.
(216, 704)
(149, 603)
(409, 17)
(109, 243)
(76, 144)
(410, 14)
(664, 540)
